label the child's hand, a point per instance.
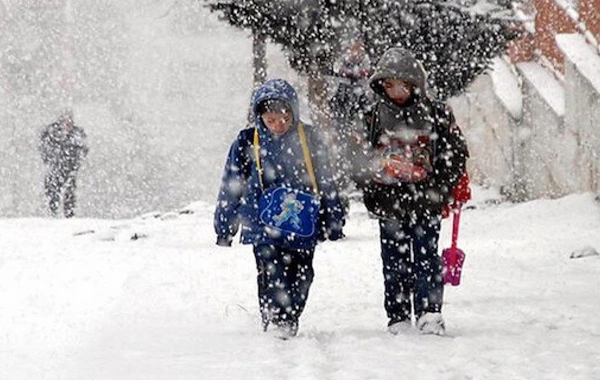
(462, 191)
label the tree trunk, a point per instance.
(259, 56)
(318, 102)
(259, 62)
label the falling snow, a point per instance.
(135, 288)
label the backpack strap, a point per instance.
(307, 159)
(305, 151)
(256, 146)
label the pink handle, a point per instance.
(455, 226)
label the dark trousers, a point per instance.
(284, 279)
(59, 181)
(411, 264)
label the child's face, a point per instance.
(277, 122)
(398, 90)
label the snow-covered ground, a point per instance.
(80, 299)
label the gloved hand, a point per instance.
(461, 194)
(462, 191)
(396, 169)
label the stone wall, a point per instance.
(489, 130)
(582, 100)
(551, 147)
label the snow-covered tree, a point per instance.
(307, 31)
(454, 44)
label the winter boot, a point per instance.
(397, 327)
(431, 323)
(265, 320)
(284, 330)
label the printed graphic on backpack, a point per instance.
(289, 211)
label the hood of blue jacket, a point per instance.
(276, 89)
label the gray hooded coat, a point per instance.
(63, 150)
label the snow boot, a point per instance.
(284, 330)
(400, 327)
(265, 319)
(431, 323)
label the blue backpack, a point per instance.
(289, 214)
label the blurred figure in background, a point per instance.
(348, 105)
(62, 147)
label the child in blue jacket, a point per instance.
(278, 152)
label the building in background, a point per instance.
(533, 121)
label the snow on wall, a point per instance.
(546, 158)
(506, 87)
(545, 85)
(582, 56)
(582, 78)
(488, 128)
(555, 144)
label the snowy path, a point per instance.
(174, 306)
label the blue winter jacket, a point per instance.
(283, 164)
